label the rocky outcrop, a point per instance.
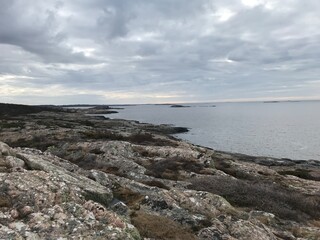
(70, 176)
(42, 200)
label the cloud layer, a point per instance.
(142, 51)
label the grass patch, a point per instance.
(159, 227)
(136, 138)
(127, 196)
(301, 173)
(11, 124)
(5, 202)
(97, 197)
(102, 134)
(145, 153)
(39, 142)
(264, 196)
(169, 168)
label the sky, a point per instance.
(158, 51)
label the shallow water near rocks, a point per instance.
(282, 130)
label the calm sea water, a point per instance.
(283, 130)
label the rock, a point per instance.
(5, 150)
(263, 217)
(49, 202)
(14, 213)
(244, 230)
(25, 211)
(120, 208)
(178, 106)
(14, 162)
(37, 162)
(7, 233)
(210, 233)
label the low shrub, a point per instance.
(39, 142)
(96, 197)
(169, 168)
(144, 152)
(148, 139)
(136, 138)
(159, 227)
(105, 134)
(301, 173)
(4, 202)
(11, 124)
(264, 196)
(127, 196)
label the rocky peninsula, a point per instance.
(67, 175)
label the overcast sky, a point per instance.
(153, 51)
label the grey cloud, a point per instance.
(36, 30)
(190, 50)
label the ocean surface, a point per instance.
(282, 130)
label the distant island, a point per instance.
(179, 106)
(271, 101)
(95, 106)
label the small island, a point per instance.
(179, 106)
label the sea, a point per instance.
(272, 129)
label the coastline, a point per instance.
(284, 130)
(147, 183)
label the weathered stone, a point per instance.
(37, 162)
(244, 230)
(14, 162)
(5, 150)
(210, 233)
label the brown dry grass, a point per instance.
(142, 138)
(4, 202)
(264, 196)
(301, 173)
(159, 227)
(170, 167)
(129, 197)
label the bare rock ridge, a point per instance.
(71, 176)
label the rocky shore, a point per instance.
(67, 175)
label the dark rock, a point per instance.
(178, 106)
